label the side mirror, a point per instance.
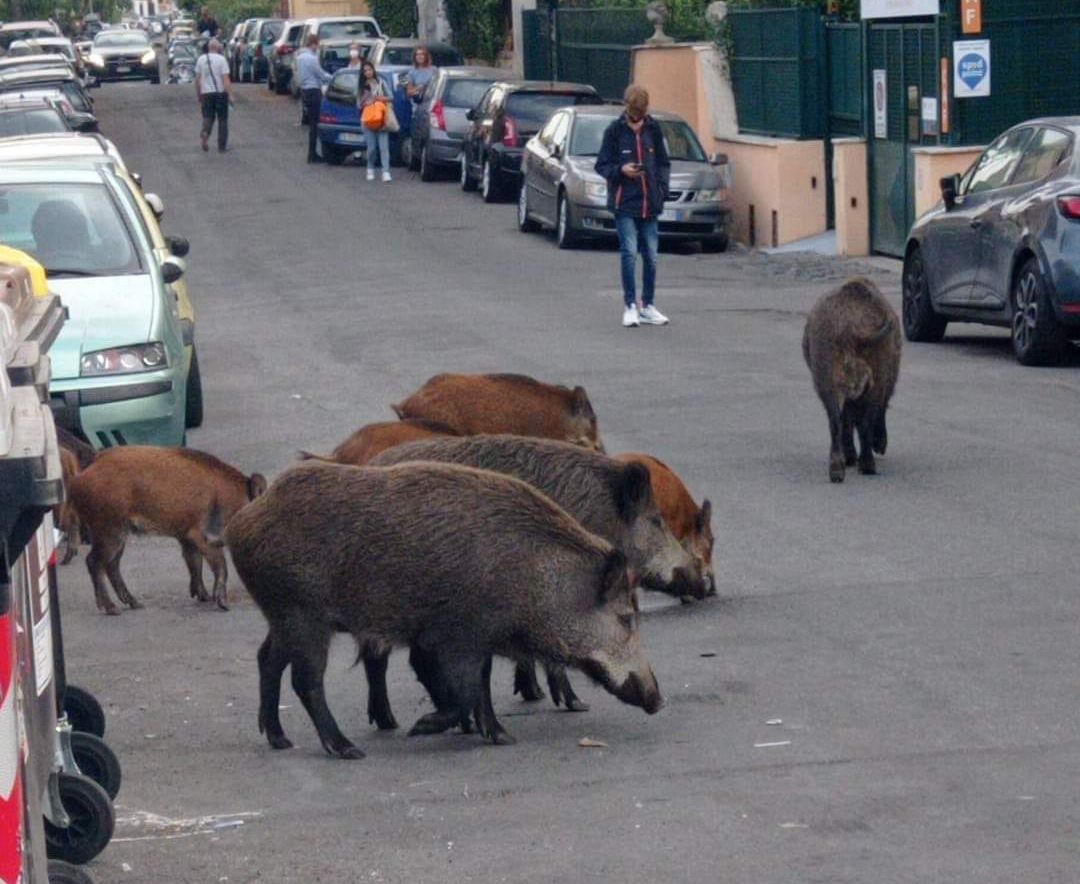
(950, 189)
(718, 159)
(81, 122)
(556, 151)
(178, 245)
(157, 206)
(172, 269)
(470, 114)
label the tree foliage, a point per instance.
(397, 18)
(479, 27)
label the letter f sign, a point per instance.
(971, 16)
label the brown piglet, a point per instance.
(372, 440)
(691, 525)
(475, 404)
(173, 492)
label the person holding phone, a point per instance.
(634, 161)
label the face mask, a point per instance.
(354, 53)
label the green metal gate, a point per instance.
(907, 55)
(536, 44)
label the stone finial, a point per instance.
(715, 13)
(658, 14)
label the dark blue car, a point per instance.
(339, 118)
(1003, 245)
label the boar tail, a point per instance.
(399, 410)
(883, 332)
(307, 455)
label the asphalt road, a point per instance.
(885, 691)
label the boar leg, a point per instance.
(378, 702)
(866, 441)
(112, 568)
(194, 561)
(850, 456)
(836, 429)
(95, 564)
(881, 434)
(308, 668)
(561, 691)
(486, 722)
(426, 666)
(525, 682)
(272, 662)
(460, 673)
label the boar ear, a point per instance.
(704, 516)
(613, 581)
(581, 404)
(633, 490)
(256, 485)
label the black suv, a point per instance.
(508, 115)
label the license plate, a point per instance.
(672, 215)
(351, 138)
(123, 69)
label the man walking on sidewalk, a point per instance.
(311, 76)
(214, 88)
(634, 161)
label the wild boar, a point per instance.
(852, 346)
(505, 403)
(608, 498)
(461, 562)
(175, 492)
(67, 520)
(691, 526)
(373, 439)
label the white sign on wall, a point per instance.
(881, 119)
(898, 8)
(971, 68)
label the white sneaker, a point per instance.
(386, 176)
(370, 174)
(630, 317)
(651, 316)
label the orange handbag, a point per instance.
(374, 115)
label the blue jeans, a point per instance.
(377, 139)
(637, 235)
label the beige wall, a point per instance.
(319, 8)
(850, 188)
(781, 182)
(934, 163)
(671, 75)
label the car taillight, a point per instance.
(327, 118)
(1070, 206)
(437, 117)
(285, 50)
(510, 132)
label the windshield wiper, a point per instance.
(69, 271)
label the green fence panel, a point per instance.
(845, 88)
(1034, 67)
(777, 71)
(536, 44)
(593, 46)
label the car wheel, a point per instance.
(193, 404)
(715, 244)
(525, 223)
(1037, 336)
(489, 184)
(921, 322)
(467, 182)
(427, 170)
(565, 235)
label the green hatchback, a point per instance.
(119, 375)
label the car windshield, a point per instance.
(465, 93)
(682, 143)
(30, 122)
(121, 38)
(72, 229)
(330, 29)
(9, 37)
(271, 30)
(534, 108)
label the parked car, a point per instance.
(280, 67)
(439, 122)
(60, 80)
(398, 51)
(339, 119)
(40, 116)
(182, 63)
(239, 51)
(118, 367)
(337, 29)
(230, 51)
(254, 65)
(561, 189)
(124, 55)
(334, 53)
(508, 115)
(26, 30)
(1003, 245)
(32, 62)
(48, 46)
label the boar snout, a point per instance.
(641, 690)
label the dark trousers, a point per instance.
(312, 99)
(216, 104)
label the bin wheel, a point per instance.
(97, 761)
(92, 821)
(61, 872)
(83, 710)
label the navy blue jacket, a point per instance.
(642, 197)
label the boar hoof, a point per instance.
(134, 604)
(384, 722)
(433, 723)
(868, 468)
(576, 705)
(111, 610)
(850, 459)
(201, 594)
(279, 742)
(836, 470)
(500, 738)
(221, 603)
(346, 751)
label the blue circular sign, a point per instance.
(972, 69)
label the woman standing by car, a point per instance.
(356, 56)
(373, 91)
(420, 74)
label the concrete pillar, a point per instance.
(518, 58)
(850, 186)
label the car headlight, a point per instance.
(124, 360)
(707, 196)
(596, 190)
(148, 56)
(96, 60)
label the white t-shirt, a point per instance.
(212, 69)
